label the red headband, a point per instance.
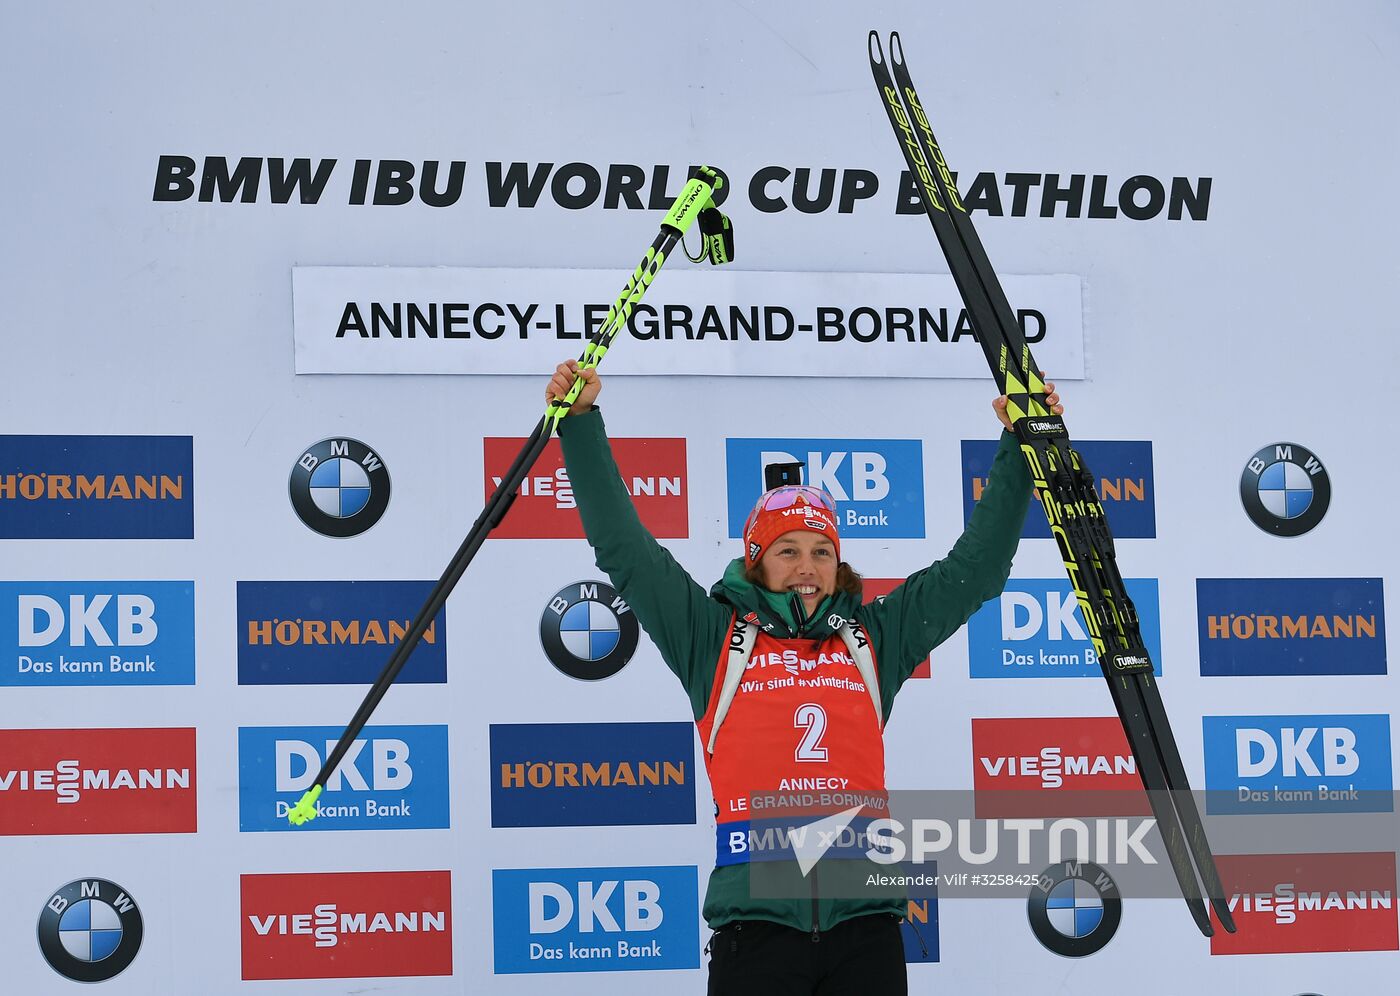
(782, 510)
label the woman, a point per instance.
(790, 682)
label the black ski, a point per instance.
(1067, 493)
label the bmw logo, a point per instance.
(588, 632)
(1285, 489)
(90, 930)
(339, 487)
(1075, 908)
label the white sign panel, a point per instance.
(389, 320)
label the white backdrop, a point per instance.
(1266, 320)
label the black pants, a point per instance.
(860, 957)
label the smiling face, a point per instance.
(800, 562)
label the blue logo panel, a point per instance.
(595, 919)
(1298, 764)
(592, 774)
(1288, 626)
(96, 633)
(1122, 473)
(1036, 630)
(334, 632)
(391, 778)
(919, 928)
(96, 487)
(878, 484)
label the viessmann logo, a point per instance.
(1021, 765)
(96, 633)
(1288, 626)
(1035, 629)
(877, 588)
(97, 781)
(653, 470)
(592, 774)
(1123, 479)
(346, 925)
(878, 484)
(334, 632)
(96, 487)
(391, 777)
(1298, 764)
(1308, 902)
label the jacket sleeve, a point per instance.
(930, 605)
(686, 625)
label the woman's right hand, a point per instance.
(564, 376)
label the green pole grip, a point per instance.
(697, 195)
(305, 809)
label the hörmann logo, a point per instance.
(97, 781)
(653, 471)
(1289, 626)
(1124, 480)
(1308, 902)
(919, 928)
(595, 919)
(346, 925)
(96, 633)
(1020, 766)
(1298, 764)
(334, 632)
(96, 487)
(592, 774)
(1034, 629)
(391, 778)
(878, 484)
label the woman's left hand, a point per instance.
(1052, 400)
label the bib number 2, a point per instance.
(810, 718)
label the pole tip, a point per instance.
(305, 809)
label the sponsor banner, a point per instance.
(96, 633)
(592, 774)
(96, 487)
(878, 484)
(1035, 630)
(90, 930)
(1287, 903)
(97, 781)
(1278, 626)
(1122, 471)
(391, 778)
(346, 925)
(873, 588)
(595, 919)
(919, 928)
(653, 470)
(1080, 766)
(1298, 764)
(334, 632)
(436, 320)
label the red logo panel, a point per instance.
(652, 469)
(346, 925)
(97, 781)
(873, 588)
(1308, 902)
(1070, 766)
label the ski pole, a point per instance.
(695, 202)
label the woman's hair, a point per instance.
(847, 579)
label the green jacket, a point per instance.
(689, 626)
